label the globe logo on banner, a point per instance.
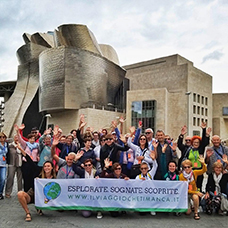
(51, 191)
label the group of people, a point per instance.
(85, 153)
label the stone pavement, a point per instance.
(12, 215)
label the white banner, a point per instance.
(111, 195)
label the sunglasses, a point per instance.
(2, 137)
(144, 168)
(103, 140)
(187, 140)
(143, 139)
(147, 133)
(87, 165)
(187, 167)
(108, 139)
(118, 168)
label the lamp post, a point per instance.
(188, 109)
(41, 123)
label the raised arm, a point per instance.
(82, 124)
(131, 145)
(20, 139)
(152, 172)
(205, 136)
(174, 149)
(53, 148)
(180, 139)
(121, 124)
(119, 137)
(137, 133)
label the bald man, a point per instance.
(216, 153)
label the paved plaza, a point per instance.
(12, 215)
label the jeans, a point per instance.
(2, 178)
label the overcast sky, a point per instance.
(138, 30)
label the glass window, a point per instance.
(198, 121)
(205, 111)
(196, 133)
(194, 97)
(194, 109)
(198, 110)
(206, 100)
(194, 121)
(202, 111)
(144, 111)
(198, 98)
(202, 99)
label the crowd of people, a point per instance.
(85, 153)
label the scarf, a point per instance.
(32, 146)
(188, 176)
(171, 176)
(217, 180)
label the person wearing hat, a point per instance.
(4, 160)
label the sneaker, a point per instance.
(1, 197)
(7, 196)
(153, 213)
(99, 215)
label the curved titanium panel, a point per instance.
(28, 52)
(70, 77)
(78, 36)
(43, 39)
(109, 53)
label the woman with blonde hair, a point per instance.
(191, 176)
(215, 188)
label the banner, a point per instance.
(111, 195)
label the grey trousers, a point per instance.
(10, 179)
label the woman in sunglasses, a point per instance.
(116, 173)
(4, 159)
(191, 175)
(141, 152)
(89, 172)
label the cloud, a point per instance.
(211, 44)
(137, 30)
(215, 55)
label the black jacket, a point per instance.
(111, 152)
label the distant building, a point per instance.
(220, 115)
(167, 93)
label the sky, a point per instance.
(138, 30)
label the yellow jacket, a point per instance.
(196, 173)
